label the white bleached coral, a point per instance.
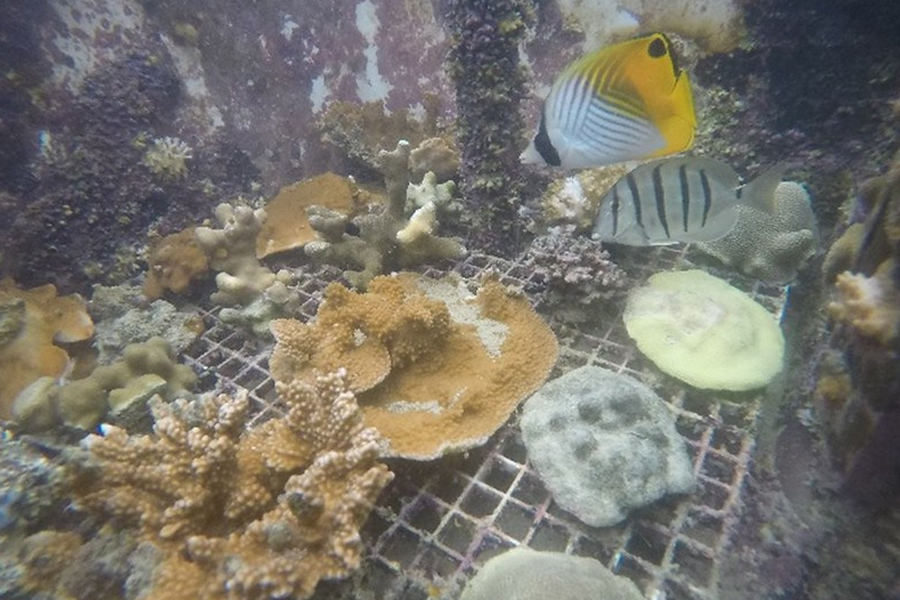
(870, 305)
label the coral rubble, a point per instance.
(123, 317)
(435, 370)
(388, 240)
(31, 323)
(575, 274)
(771, 247)
(243, 513)
(704, 331)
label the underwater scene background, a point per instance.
(283, 314)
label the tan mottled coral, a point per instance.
(32, 321)
(458, 366)
(175, 262)
(257, 514)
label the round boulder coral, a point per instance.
(700, 329)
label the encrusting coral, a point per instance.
(243, 514)
(387, 239)
(704, 331)
(435, 370)
(30, 322)
(771, 247)
(174, 261)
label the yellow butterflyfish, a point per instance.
(629, 101)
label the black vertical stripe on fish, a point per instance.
(544, 146)
(615, 209)
(685, 194)
(660, 194)
(707, 196)
(636, 197)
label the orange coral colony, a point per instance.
(435, 371)
(287, 226)
(30, 322)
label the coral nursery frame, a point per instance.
(440, 521)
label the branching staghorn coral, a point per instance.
(255, 514)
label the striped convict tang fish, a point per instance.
(682, 199)
(629, 101)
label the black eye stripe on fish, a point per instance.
(685, 195)
(545, 146)
(699, 193)
(660, 194)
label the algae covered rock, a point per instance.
(524, 574)
(700, 329)
(604, 443)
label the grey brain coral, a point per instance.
(771, 247)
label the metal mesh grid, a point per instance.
(442, 519)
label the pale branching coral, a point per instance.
(232, 252)
(256, 514)
(378, 248)
(435, 369)
(244, 282)
(870, 305)
(167, 157)
(575, 273)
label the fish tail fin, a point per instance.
(760, 192)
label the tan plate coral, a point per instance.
(700, 329)
(30, 322)
(435, 370)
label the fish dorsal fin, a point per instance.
(760, 192)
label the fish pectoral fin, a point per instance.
(760, 193)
